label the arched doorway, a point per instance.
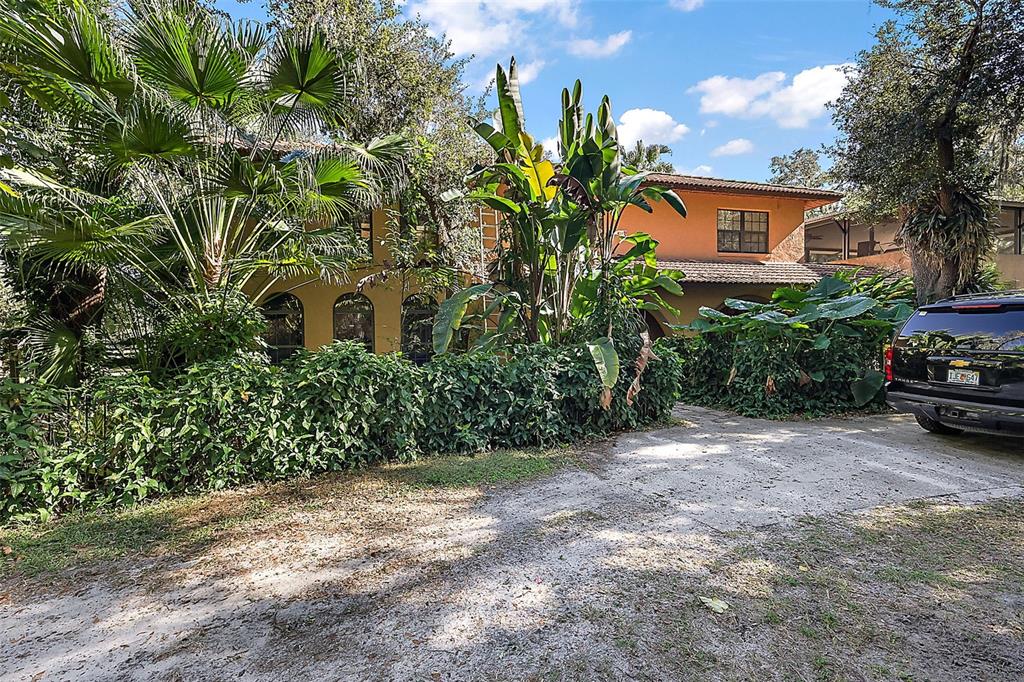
(654, 326)
(285, 326)
(418, 313)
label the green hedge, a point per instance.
(771, 375)
(807, 352)
(121, 439)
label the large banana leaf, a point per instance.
(606, 361)
(510, 105)
(450, 313)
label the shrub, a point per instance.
(238, 419)
(807, 352)
(209, 327)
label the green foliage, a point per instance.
(647, 157)
(211, 328)
(210, 145)
(121, 439)
(801, 167)
(913, 122)
(807, 352)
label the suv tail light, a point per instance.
(887, 365)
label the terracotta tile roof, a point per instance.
(751, 272)
(698, 183)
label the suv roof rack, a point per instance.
(984, 294)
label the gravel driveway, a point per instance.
(596, 572)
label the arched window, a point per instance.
(353, 319)
(284, 326)
(418, 313)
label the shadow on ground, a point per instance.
(806, 533)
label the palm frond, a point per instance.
(194, 57)
(305, 81)
(64, 56)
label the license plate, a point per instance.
(964, 376)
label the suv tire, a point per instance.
(932, 426)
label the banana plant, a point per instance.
(560, 260)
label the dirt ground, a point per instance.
(722, 548)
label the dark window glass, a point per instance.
(418, 313)
(365, 230)
(284, 336)
(353, 319)
(363, 227)
(996, 329)
(742, 231)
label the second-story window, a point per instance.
(365, 229)
(742, 231)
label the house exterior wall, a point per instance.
(692, 238)
(826, 238)
(696, 236)
(318, 298)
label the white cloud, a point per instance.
(702, 169)
(529, 72)
(486, 27)
(792, 106)
(650, 125)
(735, 147)
(595, 49)
(733, 96)
(686, 5)
(795, 105)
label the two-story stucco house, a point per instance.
(740, 239)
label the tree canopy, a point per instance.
(801, 167)
(647, 157)
(914, 120)
(409, 83)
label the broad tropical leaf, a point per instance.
(304, 77)
(867, 387)
(195, 58)
(450, 313)
(606, 361)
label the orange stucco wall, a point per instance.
(696, 236)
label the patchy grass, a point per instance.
(492, 468)
(866, 596)
(185, 525)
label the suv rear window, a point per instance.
(995, 329)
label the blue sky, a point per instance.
(726, 83)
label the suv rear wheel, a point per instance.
(932, 426)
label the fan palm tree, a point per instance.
(647, 157)
(219, 143)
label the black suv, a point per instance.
(958, 365)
